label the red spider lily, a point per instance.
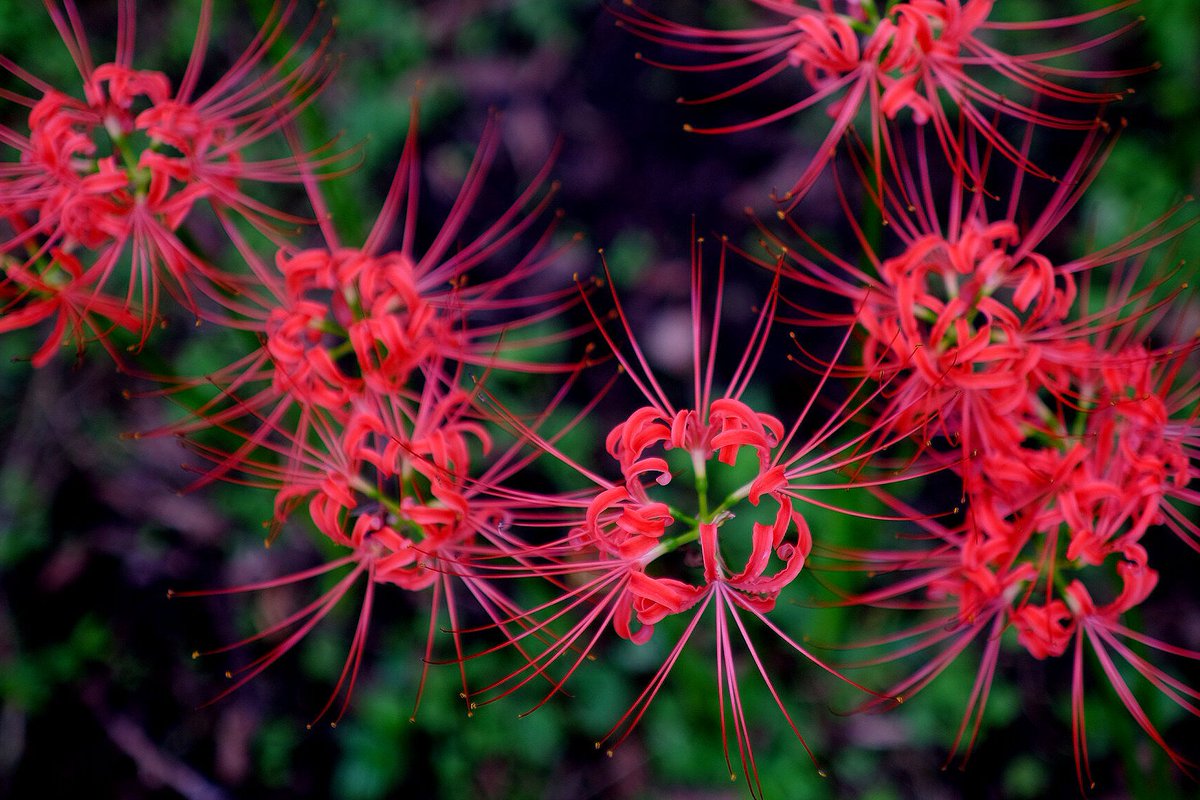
(970, 322)
(611, 567)
(1142, 418)
(118, 172)
(913, 56)
(967, 592)
(1101, 627)
(342, 326)
(352, 407)
(399, 307)
(1056, 518)
(399, 485)
(60, 292)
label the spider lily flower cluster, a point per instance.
(1069, 430)
(1054, 394)
(871, 61)
(108, 173)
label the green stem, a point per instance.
(667, 545)
(700, 471)
(364, 488)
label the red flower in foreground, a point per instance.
(914, 55)
(716, 483)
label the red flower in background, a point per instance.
(1057, 414)
(970, 326)
(933, 58)
(113, 175)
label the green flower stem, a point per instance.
(667, 545)
(869, 8)
(344, 348)
(705, 516)
(388, 502)
(700, 472)
(139, 178)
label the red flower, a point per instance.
(970, 328)
(915, 55)
(621, 567)
(339, 323)
(400, 483)
(118, 172)
(64, 293)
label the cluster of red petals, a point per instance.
(918, 56)
(362, 355)
(1073, 441)
(110, 177)
(915, 45)
(955, 317)
(347, 296)
(625, 522)
(1071, 437)
(65, 293)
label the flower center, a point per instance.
(698, 477)
(128, 147)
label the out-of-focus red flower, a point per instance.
(111, 171)
(62, 293)
(932, 58)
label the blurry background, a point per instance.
(98, 693)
